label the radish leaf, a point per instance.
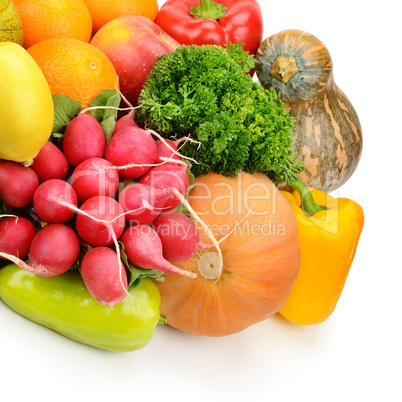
(106, 104)
(65, 109)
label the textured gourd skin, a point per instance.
(312, 59)
(327, 135)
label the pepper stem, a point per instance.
(308, 205)
(208, 9)
(162, 320)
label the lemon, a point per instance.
(26, 106)
(10, 23)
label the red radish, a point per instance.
(143, 248)
(125, 121)
(104, 279)
(16, 234)
(164, 178)
(50, 163)
(179, 236)
(128, 119)
(140, 199)
(17, 184)
(83, 139)
(131, 146)
(92, 177)
(97, 218)
(162, 150)
(50, 201)
(54, 250)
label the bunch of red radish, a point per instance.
(89, 192)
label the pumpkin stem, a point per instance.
(284, 68)
(208, 9)
(162, 320)
(308, 205)
(209, 266)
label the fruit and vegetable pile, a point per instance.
(170, 166)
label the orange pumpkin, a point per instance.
(257, 233)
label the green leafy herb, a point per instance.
(106, 116)
(65, 109)
(204, 92)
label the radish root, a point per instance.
(164, 159)
(176, 161)
(88, 109)
(225, 237)
(119, 262)
(131, 165)
(129, 105)
(9, 216)
(22, 264)
(186, 139)
(80, 211)
(219, 259)
(172, 149)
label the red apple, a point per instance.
(133, 43)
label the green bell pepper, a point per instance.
(63, 304)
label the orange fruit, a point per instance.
(103, 11)
(45, 19)
(74, 68)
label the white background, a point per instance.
(354, 355)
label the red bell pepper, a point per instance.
(202, 22)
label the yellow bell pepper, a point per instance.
(328, 242)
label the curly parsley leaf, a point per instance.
(203, 92)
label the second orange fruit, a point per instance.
(74, 68)
(45, 19)
(103, 11)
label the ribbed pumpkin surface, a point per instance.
(260, 258)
